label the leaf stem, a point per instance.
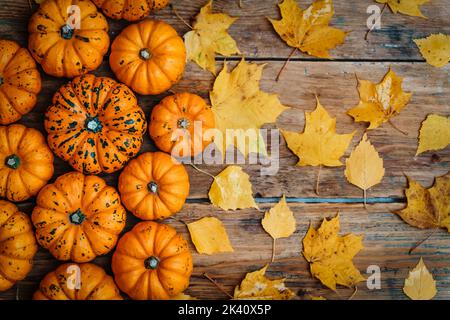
(318, 179)
(365, 198)
(284, 65)
(421, 241)
(370, 30)
(179, 17)
(202, 171)
(218, 286)
(397, 128)
(273, 250)
(354, 293)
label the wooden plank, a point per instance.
(387, 240)
(256, 37)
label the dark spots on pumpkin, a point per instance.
(91, 141)
(73, 124)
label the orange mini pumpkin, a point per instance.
(20, 82)
(130, 10)
(179, 122)
(154, 186)
(152, 262)
(148, 56)
(17, 245)
(78, 217)
(64, 46)
(26, 162)
(95, 124)
(73, 281)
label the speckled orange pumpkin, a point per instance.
(20, 82)
(26, 162)
(152, 262)
(78, 217)
(17, 245)
(148, 56)
(95, 124)
(154, 186)
(63, 47)
(73, 281)
(130, 10)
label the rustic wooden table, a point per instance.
(387, 238)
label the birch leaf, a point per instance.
(420, 284)
(435, 49)
(209, 236)
(434, 133)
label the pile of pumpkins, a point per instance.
(97, 126)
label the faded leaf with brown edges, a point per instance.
(434, 133)
(435, 49)
(209, 236)
(408, 7)
(420, 284)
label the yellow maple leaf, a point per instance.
(209, 236)
(241, 108)
(420, 284)
(308, 30)
(435, 49)
(434, 133)
(330, 255)
(379, 103)
(408, 7)
(208, 37)
(428, 208)
(256, 286)
(364, 168)
(231, 190)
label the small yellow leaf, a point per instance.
(183, 296)
(420, 284)
(231, 190)
(435, 49)
(256, 286)
(434, 133)
(378, 103)
(279, 221)
(209, 236)
(408, 7)
(316, 297)
(208, 37)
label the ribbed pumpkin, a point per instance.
(26, 162)
(20, 82)
(152, 262)
(95, 124)
(78, 217)
(130, 10)
(148, 56)
(178, 124)
(63, 48)
(17, 245)
(73, 281)
(154, 186)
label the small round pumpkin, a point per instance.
(26, 162)
(95, 124)
(78, 217)
(20, 82)
(17, 245)
(130, 10)
(179, 122)
(61, 45)
(154, 186)
(73, 281)
(152, 262)
(148, 56)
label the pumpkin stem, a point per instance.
(12, 161)
(66, 32)
(93, 124)
(77, 217)
(145, 54)
(151, 263)
(152, 187)
(183, 123)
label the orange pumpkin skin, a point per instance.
(95, 124)
(17, 245)
(73, 281)
(78, 217)
(154, 186)
(20, 82)
(173, 122)
(59, 46)
(26, 162)
(152, 262)
(148, 56)
(130, 10)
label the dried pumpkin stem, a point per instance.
(370, 30)
(318, 179)
(218, 286)
(421, 241)
(397, 128)
(179, 17)
(285, 63)
(202, 171)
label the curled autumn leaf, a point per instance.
(209, 236)
(434, 133)
(435, 49)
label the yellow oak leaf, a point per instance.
(330, 255)
(428, 208)
(408, 7)
(208, 37)
(434, 133)
(364, 168)
(420, 284)
(231, 190)
(435, 49)
(183, 296)
(308, 30)
(379, 103)
(256, 286)
(240, 108)
(209, 236)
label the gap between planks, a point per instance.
(315, 200)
